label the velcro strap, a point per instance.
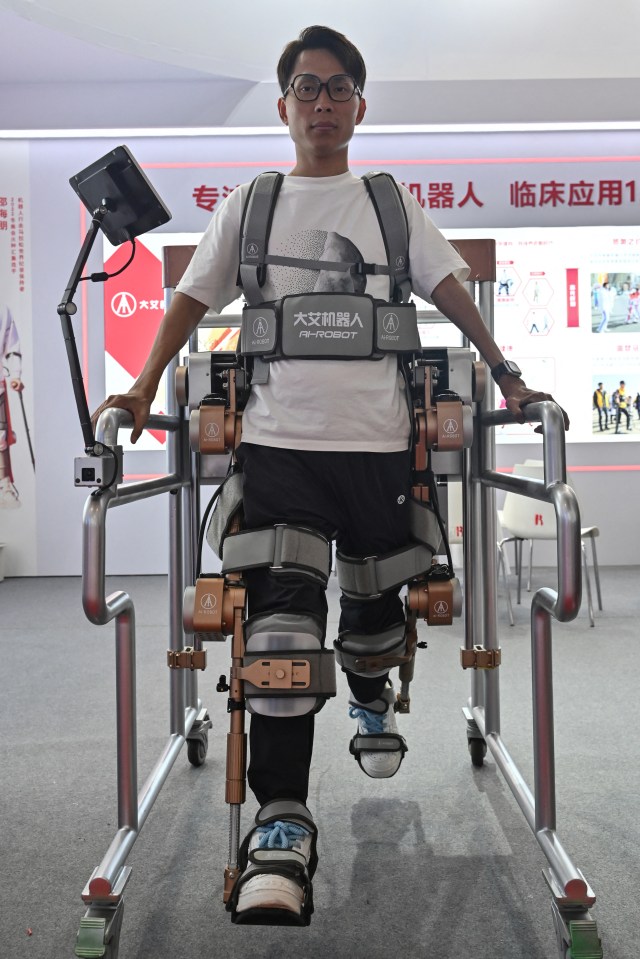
(384, 743)
(288, 856)
(364, 654)
(288, 867)
(289, 810)
(284, 549)
(373, 575)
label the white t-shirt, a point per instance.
(340, 405)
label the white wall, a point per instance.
(138, 534)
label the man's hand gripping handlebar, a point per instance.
(136, 401)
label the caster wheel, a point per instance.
(197, 750)
(477, 751)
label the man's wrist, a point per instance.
(147, 385)
(507, 384)
(506, 368)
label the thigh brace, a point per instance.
(285, 670)
(283, 549)
(279, 862)
(370, 576)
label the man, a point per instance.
(11, 374)
(324, 442)
(621, 404)
(608, 296)
(600, 403)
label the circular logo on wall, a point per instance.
(124, 304)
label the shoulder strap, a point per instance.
(255, 228)
(256, 223)
(392, 218)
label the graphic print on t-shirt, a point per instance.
(320, 245)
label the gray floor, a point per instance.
(436, 862)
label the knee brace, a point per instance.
(374, 655)
(285, 670)
(254, 861)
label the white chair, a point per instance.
(531, 519)
(455, 532)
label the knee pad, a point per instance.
(373, 655)
(286, 671)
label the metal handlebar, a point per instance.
(565, 604)
(540, 809)
(110, 876)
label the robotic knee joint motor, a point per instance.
(278, 664)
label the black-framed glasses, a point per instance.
(307, 87)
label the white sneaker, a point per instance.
(9, 498)
(270, 890)
(377, 745)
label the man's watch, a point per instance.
(506, 367)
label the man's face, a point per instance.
(322, 127)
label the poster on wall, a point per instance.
(567, 310)
(17, 458)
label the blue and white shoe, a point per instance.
(377, 745)
(278, 860)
